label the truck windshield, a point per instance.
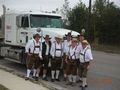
(45, 21)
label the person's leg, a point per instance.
(84, 79)
(74, 72)
(69, 79)
(69, 73)
(37, 67)
(58, 66)
(34, 72)
(29, 67)
(44, 73)
(80, 72)
(46, 61)
(53, 70)
(64, 68)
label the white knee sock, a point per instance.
(70, 78)
(53, 74)
(44, 75)
(28, 72)
(74, 78)
(84, 82)
(38, 72)
(65, 75)
(57, 73)
(34, 72)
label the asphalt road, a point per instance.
(104, 73)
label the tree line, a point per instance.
(102, 24)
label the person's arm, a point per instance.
(40, 52)
(90, 57)
(27, 47)
(52, 50)
(66, 54)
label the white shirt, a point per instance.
(85, 55)
(66, 45)
(54, 52)
(30, 46)
(47, 49)
(73, 53)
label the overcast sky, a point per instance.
(44, 5)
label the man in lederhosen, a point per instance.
(80, 39)
(85, 59)
(72, 60)
(66, 45)
(34, 56)
(56, 53)
(46, 46)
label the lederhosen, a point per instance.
(82, 71)
(56, 61)
(34, 59)
(71, 64)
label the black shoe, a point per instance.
(52, 80)
(33, 77)
(26, 78)
(36, 78)
(57, 80)
(45, 79)
(84, 86)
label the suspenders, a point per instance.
(58, 50)
(38, 46)
(73, 53)
(83, 54)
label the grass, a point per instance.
(3, 87)
(106, 48)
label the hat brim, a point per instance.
(46, 37)
(58, 37)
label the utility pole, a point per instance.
(89, 21)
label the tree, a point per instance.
(78, 17)
(107, 21)
(65, 10)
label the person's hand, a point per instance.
(40, 57)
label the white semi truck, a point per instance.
(18, 27)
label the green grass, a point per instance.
(3, 87)
(106, 48)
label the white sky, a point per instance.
(45, 5)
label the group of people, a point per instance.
(72, 55)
